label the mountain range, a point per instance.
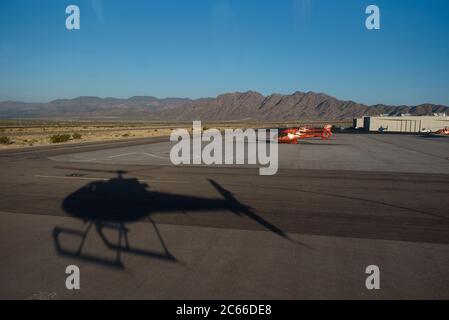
(237, 106)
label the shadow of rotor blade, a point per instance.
(225, 193)
(234, 204)
(265, 223)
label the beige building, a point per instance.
(405, 123)
(359, 123)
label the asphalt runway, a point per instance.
(200, 232)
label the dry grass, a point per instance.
(26, 138)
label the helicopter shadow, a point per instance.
(112, 204)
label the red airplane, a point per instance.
(444, 132)
(292, 135)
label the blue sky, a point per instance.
(202, 48)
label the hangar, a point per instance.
(404, 123)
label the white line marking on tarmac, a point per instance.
(154, 156)
(123, 155)
(84, 160)
(47, 149)
(106, 179)
(62, 177)
(131, 153)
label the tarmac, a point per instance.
(219, 232)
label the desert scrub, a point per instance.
(76, 136)
(59, 138)
(5, 140)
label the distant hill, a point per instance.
(90, 107)
(237, 106)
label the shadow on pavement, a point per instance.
(112, 204)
